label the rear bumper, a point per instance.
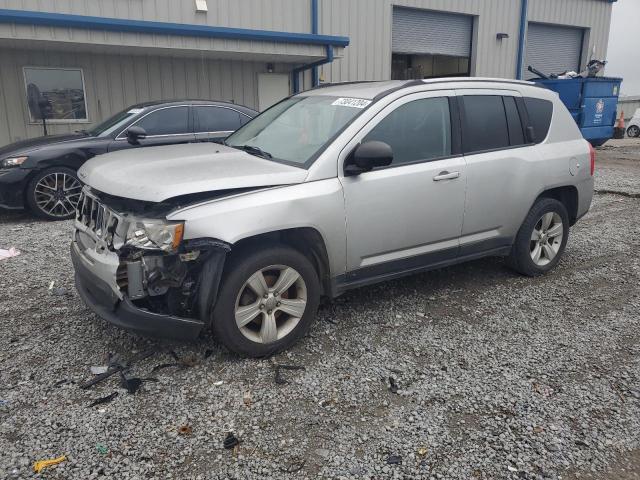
(585, 197)
(100, 297)
(13, 182)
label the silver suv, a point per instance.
(329, 190)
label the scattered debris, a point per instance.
(185, 430)
(12, 252)
(246, 398)
(278, 378)
(102, 449)
(101, 400)
(393, 386)
(64, 381)
(131, 384)
(538, 429)
(231, 441)
(422, 451)
(394, 460)
(57, 291)
(294, 465)
(218, 383)
(165, 365)
(41, 464)
(117, 368)
(4, 402)
(99, 369)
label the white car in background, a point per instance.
(633, 130)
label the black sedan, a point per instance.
(40, 174)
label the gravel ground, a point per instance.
(498, 376)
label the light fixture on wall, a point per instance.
(201, 6)
(269, 67)
(502, 36)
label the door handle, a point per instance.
(446, 176)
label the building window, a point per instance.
(59, 91)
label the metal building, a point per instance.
(93, 58)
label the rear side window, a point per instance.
(516, 134)
(485, 124)
(166, 121)
(217, 119)
(540, 112)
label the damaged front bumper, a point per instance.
(151, 293)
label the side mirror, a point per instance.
(134, 134)
(368, 156)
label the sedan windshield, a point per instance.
(114, 123)
(296, 129)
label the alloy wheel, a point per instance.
(546, 239)
(633, 131)
(270, 304)
(57, 194)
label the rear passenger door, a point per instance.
(215, 123)
(498, 157)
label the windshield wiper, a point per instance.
(258, 152)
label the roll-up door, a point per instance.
(553, 49)
(429, 32)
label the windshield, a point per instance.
(297, 128)
(114, 123)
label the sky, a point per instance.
(624, 46)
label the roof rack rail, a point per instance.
(339, 84)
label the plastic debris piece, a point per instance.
(278, 378)
(41, 464)
(231, 441)
(131, 384)
(185, 430)
(101, 400)
(165, 365)
(99, 369)
(422, 451)
(102, 449)
(12, 252)
(246, 398)
(393, 386)
(294, 465)
(394, 460)
(218, 383)
(59, 292)
(117, 367)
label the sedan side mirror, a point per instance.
(367, 156)
(134, 134)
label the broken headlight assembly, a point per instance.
(12, 162)
(155, 235)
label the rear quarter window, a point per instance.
(540, 112)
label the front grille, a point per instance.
(97, 217)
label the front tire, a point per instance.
(53, 193)
(267, 301)
(541, 239)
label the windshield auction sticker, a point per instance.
(352, 102)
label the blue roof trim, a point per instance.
(27, 17)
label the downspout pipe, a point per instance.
(297, 71)
(522, 41)
(314, 30)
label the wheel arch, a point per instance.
(568, 196)
(306, 240)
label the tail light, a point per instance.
(592, 154)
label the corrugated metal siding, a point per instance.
(113, 82)
(418, 31)
(368, 24)
(552, 49)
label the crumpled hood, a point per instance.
(155, 174)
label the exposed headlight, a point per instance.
(155, 235)
(13, 162)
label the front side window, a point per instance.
(296, 129)
(56, 94)
(485, 127)
(166, 121)
(217, 119)
(416, 131)
(115, 123)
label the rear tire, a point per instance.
(633, 131)
(252, 317)
(53, 193)
(541, 239)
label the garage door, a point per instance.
(429, 32)
(553, 49)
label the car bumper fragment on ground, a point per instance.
(496, 376)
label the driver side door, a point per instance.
(408, 215)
